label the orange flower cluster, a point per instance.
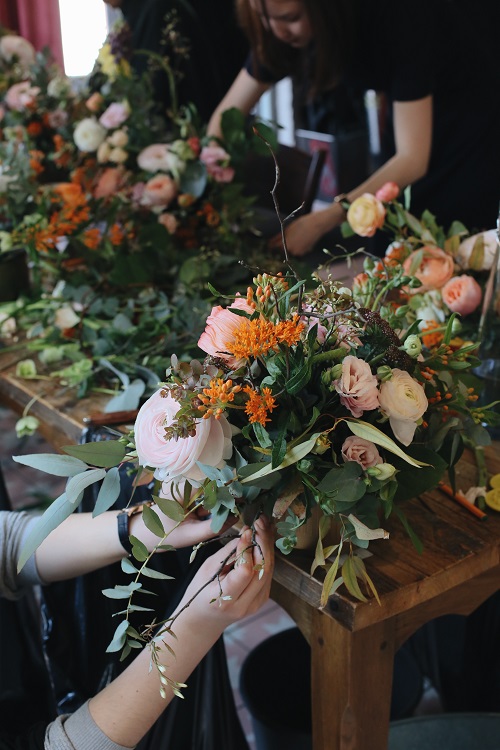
(255, 338)
(431, 337)
(217, 396)
(63, 222)
(259, 405)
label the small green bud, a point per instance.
(27, 426)
(384, 372)
(26, 369)
(381, 471)
(412, 345)
(402, 311)
(321, 445)
(456, 326)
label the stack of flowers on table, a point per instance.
(308, 402)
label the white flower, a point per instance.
(119, 138)
(16, 47)
(118, 155)
(66, 317)
(159, 158)
(404, 401)
(88, 134)
(477, 252)
(59, 87)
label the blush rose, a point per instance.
(388, 192)
(364, 452)
(403, 400)
(220, 328)
(159, 191)
(174, 460)
(357, 386)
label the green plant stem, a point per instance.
(332, 355)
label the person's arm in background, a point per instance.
(243, 94)
(413, 140)
(128, 707)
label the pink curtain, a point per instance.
(36, 20)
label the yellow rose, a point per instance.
(366, 214)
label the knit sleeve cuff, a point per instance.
(84, 733)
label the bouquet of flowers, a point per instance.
(312, 399)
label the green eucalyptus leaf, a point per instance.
(369, 432)
(128, 399)
(55, 514)
(151, 573)
(52, 463)
(109, 492)
(170, 508)
(77, 484)
(292, 456)
(152, 521)
(106, 453)
(119, 637)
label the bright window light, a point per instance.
(84, 28)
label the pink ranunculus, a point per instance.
(21, 96)
(403, 400)
(462, 294)
(109, 183)
(159, 158)
(13, 46)
(434, 270)
(364, 452)
(115, 115)
(160, 191)
(388, 192)
(177, 459)
(357, 386)
(311, 321)
(94, 102)
(366, 214)
(169, 222)
(216, 160)
(220, 328)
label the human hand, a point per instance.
(195, 528)
(301, 235)
(222, 593)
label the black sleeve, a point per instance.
(413, 49)
(258, 71)
(31, 739)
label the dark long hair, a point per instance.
(334, 25)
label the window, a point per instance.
(83, 31)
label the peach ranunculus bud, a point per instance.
(403, 400)
(388, 192)
(216, 161)
(220, 328)
(462, 294)
(477, 252)
(109, 183)
(364, 452)
(357, 386)
(366, 214)
(159, 191)
(94, 102)
(434, 270)
(169, 222)
(176, 459)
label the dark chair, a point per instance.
(299, 178)
(446, 732)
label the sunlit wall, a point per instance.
(84, 28)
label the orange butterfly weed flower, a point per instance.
(432, 337)
(259, 405)
(91, 238)
(218, 394)
(116, 235)
(255, 338)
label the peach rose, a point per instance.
(388, 192)
(219, 330)
(175, 460)
(404, 401)
(434, 270)
(462, 294)
(160, 190)
(216, 160)
(21, 96)
(366, 214)
(115, 115)
(109, 183)
(357, 386)
(364, 452)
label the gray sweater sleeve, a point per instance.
(14, 529)
(78, 732)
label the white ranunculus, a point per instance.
(403, 400)
(88, 134)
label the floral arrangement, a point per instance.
(312, 399)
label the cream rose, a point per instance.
(357, 386)
(366, 214)
(88, 134)
(404, 401)
(175, 460)
(220, 328)
(364, 452)
(434, 270)
(477, 252)
(159, 158)
(462, 294)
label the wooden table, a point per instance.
(352, 643)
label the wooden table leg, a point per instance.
(351, 684)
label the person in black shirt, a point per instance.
(433, 59)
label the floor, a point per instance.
(28, 487)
